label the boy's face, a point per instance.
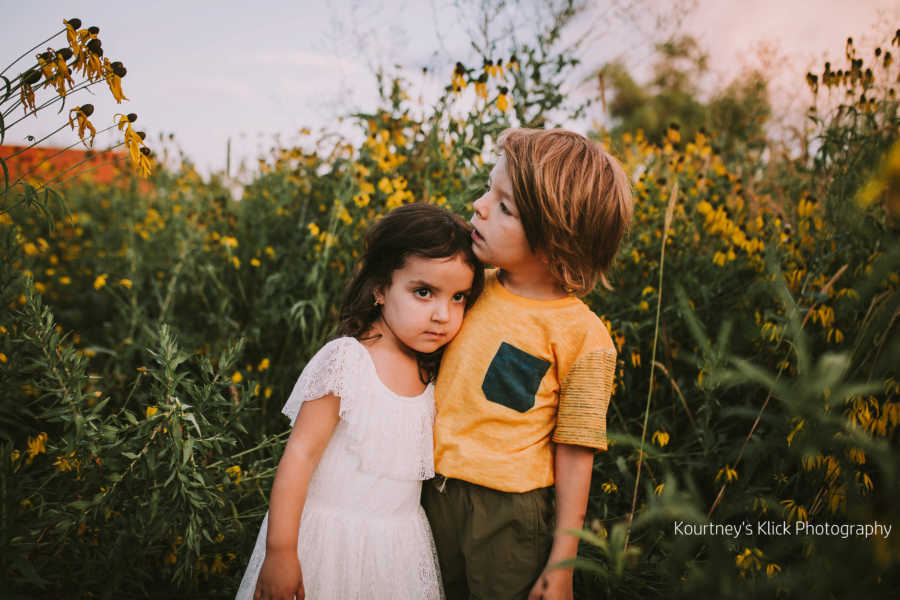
(499, 238)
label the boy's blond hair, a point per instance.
(574, 201)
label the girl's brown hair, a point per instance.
(574, 201)
(416, 229)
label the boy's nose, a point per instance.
(479, 207)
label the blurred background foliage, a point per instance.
(151, 330)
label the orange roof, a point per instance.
(43, 163)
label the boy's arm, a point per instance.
(573, 465)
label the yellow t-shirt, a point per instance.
(521, 375)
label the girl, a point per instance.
(344, 518)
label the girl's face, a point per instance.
(424, 304)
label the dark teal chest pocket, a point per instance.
(514, 377)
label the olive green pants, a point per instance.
(491, 545)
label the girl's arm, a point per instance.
(281, 575)
(574, 466)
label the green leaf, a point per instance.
(187, 450)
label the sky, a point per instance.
(256, 74)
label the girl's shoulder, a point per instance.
(339, 350)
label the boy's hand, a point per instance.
(553, 585)
(280, 578)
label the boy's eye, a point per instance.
(422, 292)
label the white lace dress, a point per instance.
(363, 533)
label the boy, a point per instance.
(523, 389)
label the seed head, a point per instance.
(93, 30)
(119, 69)
(132, 117)
(142, 135)
(75, 23)
(65, 53)
(46, 55)
(87, 109)
(145, 151)
(31, 77)
(95, 47)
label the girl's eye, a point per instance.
(505, 208)
(459, 297)
(422, 292)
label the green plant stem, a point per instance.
(662, 259)
(76, 88)
(63, 30)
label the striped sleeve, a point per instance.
(584, 398)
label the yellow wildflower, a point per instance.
(729, 474)
(263, 364)
(80, 115)
(255, 262)
(125, 283)
(237, 377)
(481, 87)
(218, 567)
(313, 229)
(236, 262)
(3, 358)
(37, 445)
(229, 241)
(609, 487)
(271, 252)
(503, 102)
(385, 185)
(100, 281)
(150, 411)
(659, 489)
(661, 438)
(235, 473)
(114, 72)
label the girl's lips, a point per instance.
(476, 237)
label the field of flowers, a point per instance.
(150, 331)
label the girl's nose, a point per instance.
(441, 312)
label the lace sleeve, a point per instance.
(329, 371)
